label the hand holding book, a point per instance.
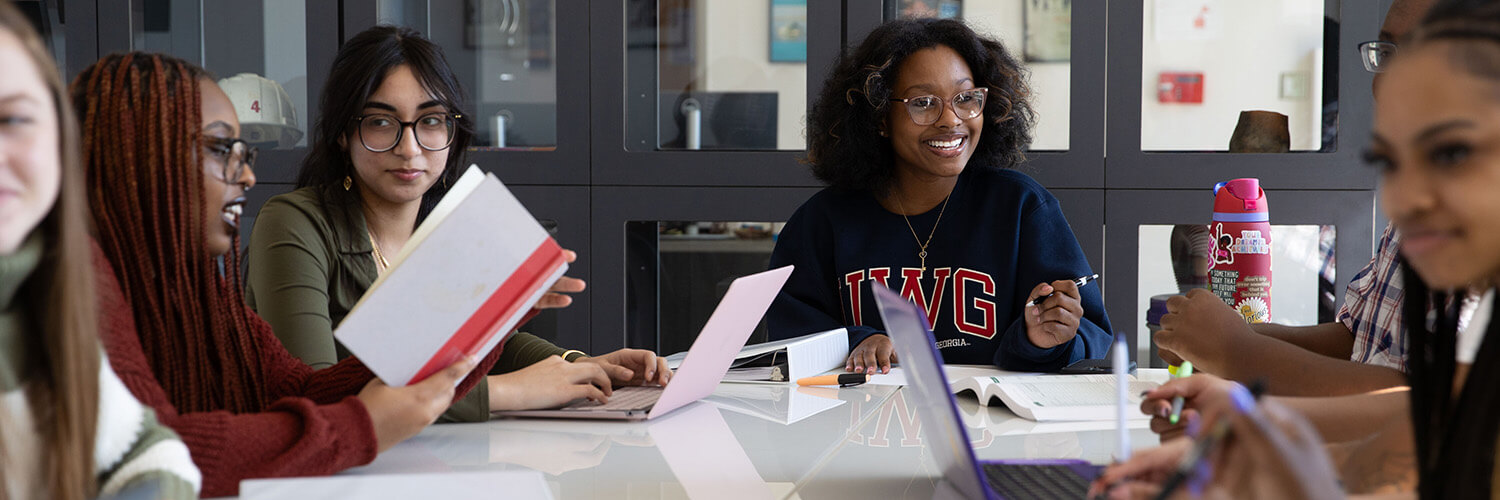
(556, 297)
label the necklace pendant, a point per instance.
(922, 255)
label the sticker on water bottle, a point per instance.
(1254, 310)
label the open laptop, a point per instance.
(727, 330)
(944, 430)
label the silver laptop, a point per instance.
(943, 429)
(717, 344)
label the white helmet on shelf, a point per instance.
(265, 110)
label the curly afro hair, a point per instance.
(845, 148)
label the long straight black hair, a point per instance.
(360, 67)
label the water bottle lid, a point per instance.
(1240, 196)
(1158, 308)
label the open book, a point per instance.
(1045, 398)
(469, 273)
(786, 360)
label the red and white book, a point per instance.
(468, 275)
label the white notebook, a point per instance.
(787, 360)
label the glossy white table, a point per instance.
(749, 441)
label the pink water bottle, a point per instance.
(1240, 271)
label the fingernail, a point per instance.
(1242, 399)
(1163, 412)
(1193, 426)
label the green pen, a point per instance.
(1185, 371)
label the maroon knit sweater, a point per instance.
(311, 422)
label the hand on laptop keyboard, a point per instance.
(548, 383)
(627, 398)
(632, 367)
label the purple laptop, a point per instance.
(927, 387)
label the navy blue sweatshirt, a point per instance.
(1000, 236)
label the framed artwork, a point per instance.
(788, 31)
(919, 9)
(1048, 30)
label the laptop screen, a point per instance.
(927, 387)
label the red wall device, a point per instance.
(1179, 87)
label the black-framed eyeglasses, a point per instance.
(233, 155)
(926, 109)
(1377, 55)
(380, 132)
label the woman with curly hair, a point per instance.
(917, 132)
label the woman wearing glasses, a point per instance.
(165, 178)
(389, 141)
(916, 133)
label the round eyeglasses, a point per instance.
(233, 156)
(926, 109)
(381, 132)
(1377, 55)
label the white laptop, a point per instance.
(943, 428)
(701, 371)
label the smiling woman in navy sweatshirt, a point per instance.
(916, 132)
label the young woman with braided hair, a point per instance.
(1436, 146)
(68, 428)
(166, 176)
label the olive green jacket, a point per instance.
(305, 271)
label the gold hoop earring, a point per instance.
(348, 182)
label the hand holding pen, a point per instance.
(1157, 472)
(1077, 283)
(1053, 311)
(1199, 393)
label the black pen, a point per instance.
(1079, 281)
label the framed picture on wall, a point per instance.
(788, 31)
(921, 9)
(1048, 30)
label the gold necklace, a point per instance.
(922, 254)
(380, 263)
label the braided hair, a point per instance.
(142, 149)
(1455, 433)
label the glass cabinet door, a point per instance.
(256, 48)
(716, 75)
(1206, 62)
(514, 59)
(504, 53)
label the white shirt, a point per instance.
(1471, 336)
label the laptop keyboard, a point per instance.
(1036, 481)
(625, 398)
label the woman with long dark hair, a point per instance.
(917, 132)
(389, 141)
(166, 177)
(68, 428)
